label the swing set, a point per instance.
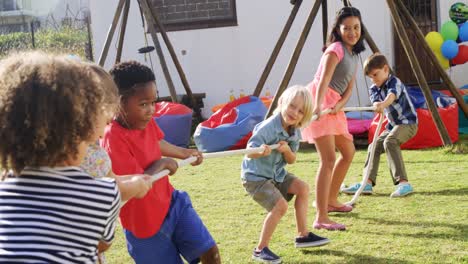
(398, 13)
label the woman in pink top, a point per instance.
(331, 89)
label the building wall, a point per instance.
(218, 60)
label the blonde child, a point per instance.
(51, 210)
(389, 96)
(331, 88)
(163, 225)
(264, 175)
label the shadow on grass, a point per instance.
(352, 258)
(446, 192)
(461, 229)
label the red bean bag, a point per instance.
(427, 135)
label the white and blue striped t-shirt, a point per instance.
(56, 215)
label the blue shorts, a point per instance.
(182, 233)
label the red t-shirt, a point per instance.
(131, 152)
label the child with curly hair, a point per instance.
(162, 226)
(51, 210)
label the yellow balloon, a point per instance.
(435, 41)
(442, 60)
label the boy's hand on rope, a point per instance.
(284, 147)
(266, 151)
(197, 154)
(379, 107)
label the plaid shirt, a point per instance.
(401, 111)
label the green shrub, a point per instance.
(66, 40)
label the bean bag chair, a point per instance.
(231, 126)
(427, 135)
(462, 120)
(359, 122)
(175, 120)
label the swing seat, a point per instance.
(175, 120)
(146, 49)
(231, 126)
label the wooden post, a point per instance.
(324, 21)
(370, 41)
(295, 57)
(123, 27)
(162, 61)
(399, 28)
(110, 33)
(277, 49)
(422, 42)
(153, 20)
(89, 45)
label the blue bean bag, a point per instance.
(231, 126)
(175, 120)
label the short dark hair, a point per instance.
(343, 13)
(129, 74)
(375, 61)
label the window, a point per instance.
(195, 14)
(8, 5)
(424, 12)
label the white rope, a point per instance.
(346, 109)
(366, 172)
(181, 163)
(220, 154)
(237, 151)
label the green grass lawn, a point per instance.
(429, 226)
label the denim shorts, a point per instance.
(268, 192)
(182, 234)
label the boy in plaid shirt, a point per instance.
(389, 96)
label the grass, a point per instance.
(430, 226)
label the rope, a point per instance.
(181, 163)
(346, 109)
(366, 172)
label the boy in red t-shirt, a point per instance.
(162, 225)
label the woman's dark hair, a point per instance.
(345, 12)
(129, 74)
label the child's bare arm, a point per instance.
(103, 246)
(380, 106)
(133, 186)
(169, 150)
(266, 152)
(345, 97)
(288, 155)
(162, 164)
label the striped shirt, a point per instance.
(401, 111)
(56, 215)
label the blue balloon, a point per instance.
(449, 49)
(463, 32)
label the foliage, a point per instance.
(67, 40)
(14, 41)
(428, 226)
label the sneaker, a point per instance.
(311, 240)
(266, 256)
(402, 189)
(353, 189)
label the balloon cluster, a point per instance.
(445, 44)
